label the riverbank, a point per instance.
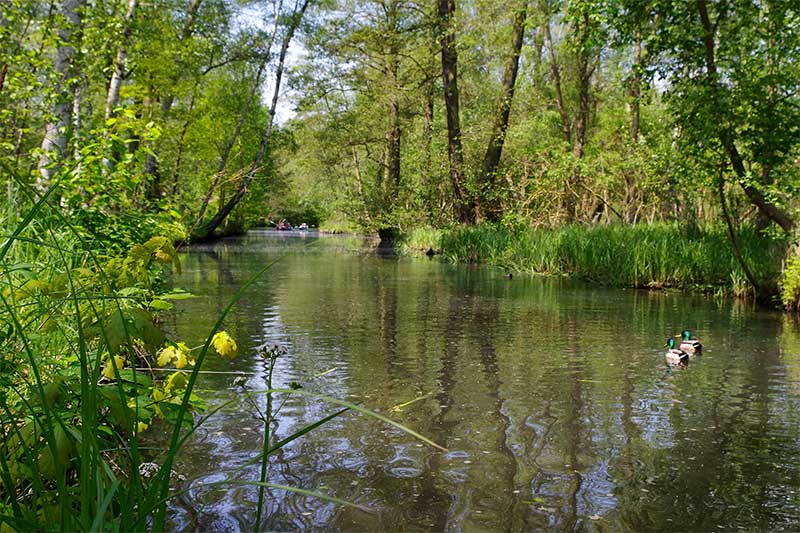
(653, 256)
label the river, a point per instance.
(552, 398)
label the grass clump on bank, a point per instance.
(647, 256)
(790, 282)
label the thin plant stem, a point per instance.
(265, 444)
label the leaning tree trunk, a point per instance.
(447, 9)
(556, 72)
(226, 209)
(490, 206)
(754, 194)
(226, 152)
(54, 144)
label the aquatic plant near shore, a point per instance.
(657, 255)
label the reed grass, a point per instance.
(422, 239)
(656, 255)
(790, 282)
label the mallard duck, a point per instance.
(674, 355)
(690, 345)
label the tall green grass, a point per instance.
(422, 239)
(653, 256)
(790, 282)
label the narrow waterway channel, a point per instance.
(552, 398)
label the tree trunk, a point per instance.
(585, 71)
(391, 166)
(226, 152)
(447, 9)
(732, 237)
(151, 159)
(4, 4)
(112, 100)
(114, 86)
(636, 94)
(427, 163)
(54, 144)
(495, 149)
(226, 209)
(556, 71)
(726, 137)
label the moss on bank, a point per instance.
(646, 255)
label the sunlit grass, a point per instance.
(422, 238)
(653, 256)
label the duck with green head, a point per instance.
(690, 345)
(675, 356)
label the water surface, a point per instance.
(551, 397)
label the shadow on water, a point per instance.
(552, 398)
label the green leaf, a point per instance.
(130, 324)
(161, 305)
(140, 378)
(177, 295)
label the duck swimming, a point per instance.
(675, 356)
(690, 345)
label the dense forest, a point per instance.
(160, 117)
(642, 143)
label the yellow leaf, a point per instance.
(225, 345)
(108, 369)
(180, 360)
(141, 426)
(166, 356)
(183, 356)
